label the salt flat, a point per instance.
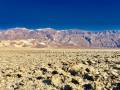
(59, 69)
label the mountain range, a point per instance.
(52, 38)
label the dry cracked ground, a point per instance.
(42, 69)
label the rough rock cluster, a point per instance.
(59, 70)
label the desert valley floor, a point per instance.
(59, 69)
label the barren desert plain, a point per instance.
(59, 69)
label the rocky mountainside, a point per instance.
(51, 38)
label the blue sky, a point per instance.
(60, 14)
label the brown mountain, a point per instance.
(51, 38)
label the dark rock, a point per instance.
(48, 82)
(89, 62)
(8, 75)
(73, 72)
(67, 87)
(49, 64)
(88, 70)
(75, 81)
(116, 86)
(19, 75)
(44, 69)
(54, 72)
(88, 77)
(38, 78)
(30, 79)
(96, 77)
(21, 83)
(88, 87)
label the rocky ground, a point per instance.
(59, 69)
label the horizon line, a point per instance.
(38, 29)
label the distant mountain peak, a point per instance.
(18, 28)
(41, 29)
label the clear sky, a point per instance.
(60, 14)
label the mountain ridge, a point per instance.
(52, 38)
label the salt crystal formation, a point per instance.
(59, 69)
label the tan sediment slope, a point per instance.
(59, 69)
